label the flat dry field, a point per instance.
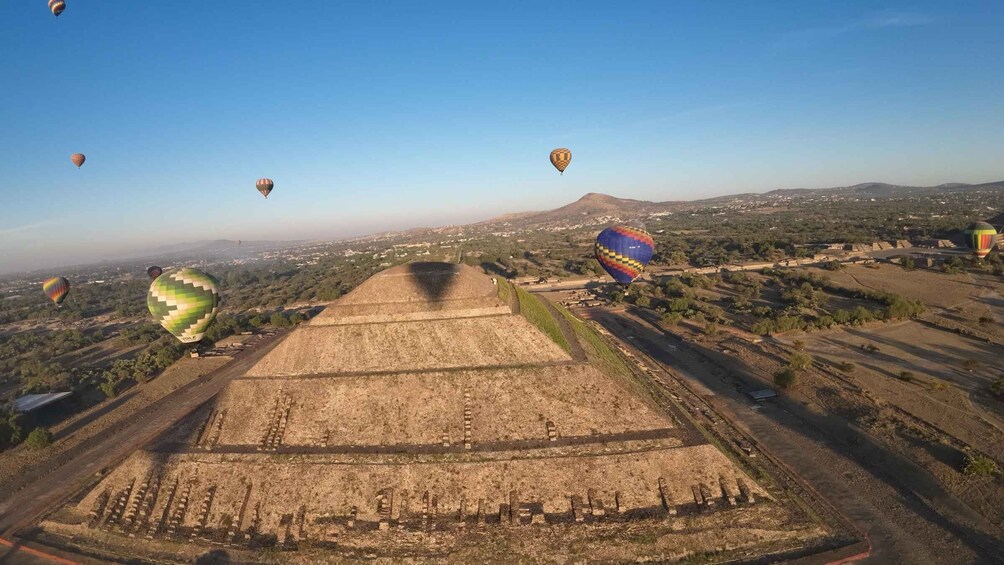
(410, 346)
(282, 483)
(505, 404)
(933, 288)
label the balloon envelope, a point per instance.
(560, 158)
(57, 7)
(185, 302)
(265, 186)
(154, 272)
(56, 289)
(624, 252)
(78, 159)
(981, 238)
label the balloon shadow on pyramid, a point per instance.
(434, 280)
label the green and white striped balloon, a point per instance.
(184, 301)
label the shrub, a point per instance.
(800, 361)
(909, 264)
(970, 364)
(798, 344)
(672, 318)
(38, 438)
(906, 376)
(986, 320)
(110, 388)
(998, 387)
(845, 366)
(763, 327)
(976, 465)
(786, 378)
(711, 328)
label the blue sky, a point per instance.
(376, 114)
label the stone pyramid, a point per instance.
(423, 414)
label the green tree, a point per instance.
(38, 438)
(976, 465)
(800, 361)
(672, 318)
(998, 387)
(278, 320)
(786, 378)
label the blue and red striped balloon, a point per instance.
(624, 252)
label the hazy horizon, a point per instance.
(385, 118)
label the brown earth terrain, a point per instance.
(469, 437)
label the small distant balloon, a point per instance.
(624, 252)
(56, 289)
(154, 272)
(57, 7)
(78, 159)
(560, 158)
(185, 302)
(265, 186)
(981, 238)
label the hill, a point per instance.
(592, 205)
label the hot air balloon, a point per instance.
(78, 159)
(981, 238)
(154, 272)
(265, 186)
(624, 252)
(184, 301)
(560, 158)
(56, 289)
(57, 7)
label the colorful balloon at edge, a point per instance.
(78, 159)
(264, 186)
(154, 272)
(560, 158)
(56, 289)
(981, 238)
(623, 252)
(57, 7)
(185, 302)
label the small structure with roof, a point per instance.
(762, 394)
(32, 402)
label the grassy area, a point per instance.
(505, 291)
(596, 348)
(537, 313)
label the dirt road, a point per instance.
(49, 484)
(859, 479)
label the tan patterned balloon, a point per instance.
(57, 7)
(264, 186)
(560, 158)
(78, 159)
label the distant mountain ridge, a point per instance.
(594, 205)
